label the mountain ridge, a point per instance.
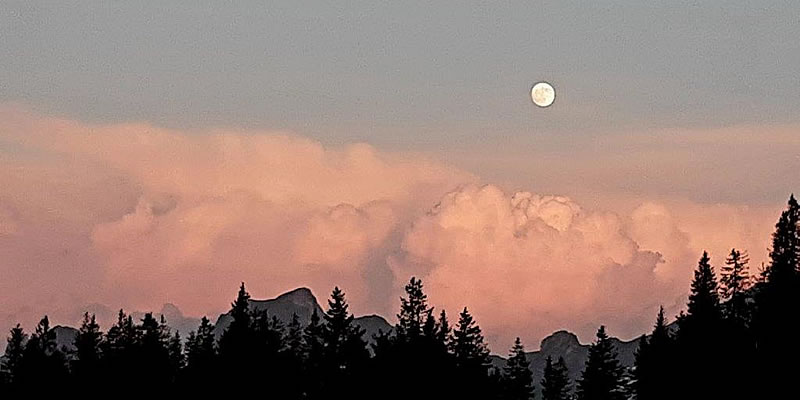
(302, 302)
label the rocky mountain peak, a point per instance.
(559, 341)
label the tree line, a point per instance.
(738, 338)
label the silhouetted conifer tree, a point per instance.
(776, 321)
(294, 337)
(704, 305)
(268, 335)
(414, 353)
(177, 359)
(237, 345)
(153, 351)
(701, 333)
(555, 380)
(602, 379)
(237, 339)
(654, 368)
(345, 349)
(15, 348)
(267, 352)
(785, 252)
(736, 342)
(292, 359)
(201, 355)
(413, 312)
(120, 353)
(88, 343)
(444, 333)
(517, 378)
(471, 358)
(314, 355)
(734, 283)
(42, 362)
(468, 344)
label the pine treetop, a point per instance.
(704, 303)
(735, 278)
(555, 380)
(517, 377)
(240, 308)
(413, 310)
(785, 252)
(660, 331)
(15, 347)
(444, 332)
(469, 346)
(603, 376)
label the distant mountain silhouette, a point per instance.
(565, 344)
(303, 303)
(65, 337)
(174, 317)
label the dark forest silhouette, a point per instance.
(737, 339)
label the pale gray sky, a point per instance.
(449, 77)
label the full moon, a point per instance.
(543, 94)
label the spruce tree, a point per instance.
(292, 359)
(430, 329)
(469, 348)
(201, 354)
(416, 351)
(345, 348)
(313, 342)
(700, 332)
(517, 378)
(470, 358)
(314, 356)
(294, 337)
(345, 351)
(736, 342)
(413, 311)
(177, 358)
(240, 329)
(776, 322)
(42, 362)
(735, 282)
(237, 345)
(120, 351)
(443, 335)
(555, 381)
(268, 350)
(153, 350)
(88, 343)
(785, 252)
(654, 374)
(602, 378)
(704, 305)
(268, 334)
(15, 349)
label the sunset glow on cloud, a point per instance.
(134, 216)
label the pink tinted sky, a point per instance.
(133, 215)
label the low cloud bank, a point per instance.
(136, 216)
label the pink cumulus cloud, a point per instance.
(136, 216)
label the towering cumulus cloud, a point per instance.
(136, 216)
(530, 263)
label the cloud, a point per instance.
(136, 216)
(528, 264)
(150, 216)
